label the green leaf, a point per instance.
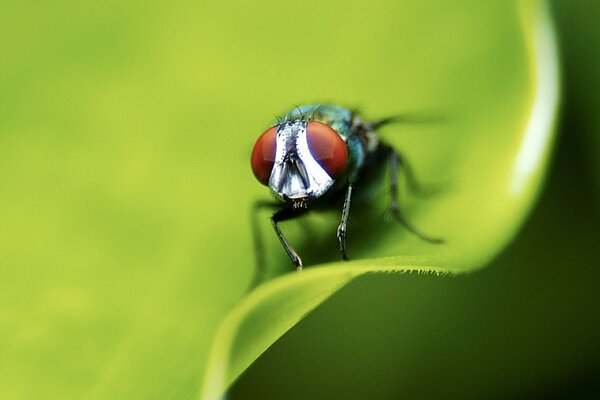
(503, 94)
(125, 187)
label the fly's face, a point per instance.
(299, 160)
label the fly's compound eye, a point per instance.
(327, 147)
(263, 155)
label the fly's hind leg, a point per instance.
(395, 162)
(412, 182)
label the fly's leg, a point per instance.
(341, 231)
(395, 162)
(411, 181)
(283, 215)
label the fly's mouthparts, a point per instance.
(300, 203)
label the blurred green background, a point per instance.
(125, 130)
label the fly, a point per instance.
(317, 156)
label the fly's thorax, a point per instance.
(356, 157)
(338, 118)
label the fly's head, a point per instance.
(299, 160)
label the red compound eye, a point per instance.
(327, 147)
(263, 155)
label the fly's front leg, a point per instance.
(341, 232)
(395, 162)
(282, 215)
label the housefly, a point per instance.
(321, 155)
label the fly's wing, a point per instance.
(418, 117)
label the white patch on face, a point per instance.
(303, 177)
